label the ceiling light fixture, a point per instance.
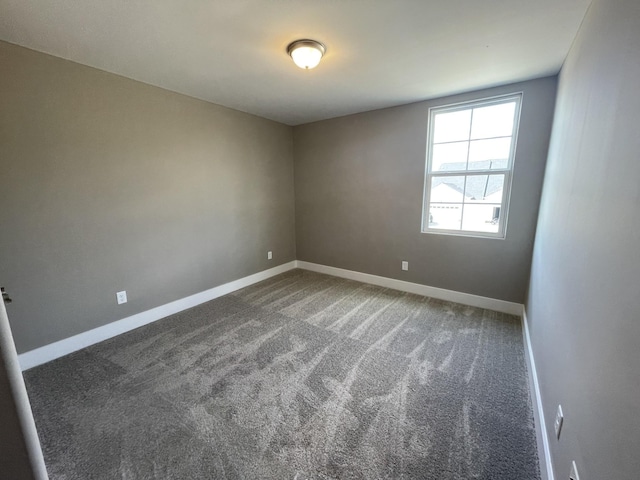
(306, 53)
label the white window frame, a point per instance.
(507, 171)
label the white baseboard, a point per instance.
(434, 292)
(69, 345)
(544, 452)
(15, 388)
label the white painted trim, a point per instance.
(20, 398)
(541, 427)
(69, 345)
(434, 292)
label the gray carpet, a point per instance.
(303, 376)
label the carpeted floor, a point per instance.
(303, 376)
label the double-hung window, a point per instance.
(471, 148)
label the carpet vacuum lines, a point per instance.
(301, 376)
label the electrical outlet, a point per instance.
(269, 255)
(574, 472)
(405, 265)
(559, 420)
(121, 297)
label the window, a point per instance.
(471, 147)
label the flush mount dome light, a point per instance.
(306, 53)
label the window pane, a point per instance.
(452, 126)
(481, 217)
(484, 189)
(445, 216)
(449, 157)
(493, 121)
(447, 189)
(489, 154)
(469, 166)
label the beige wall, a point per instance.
(108, 184)
(583, 302)
(359, 187)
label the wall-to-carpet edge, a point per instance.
(69, 345)
(303, 375)
(544, 452)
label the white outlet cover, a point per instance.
(405, 266)
(269, 255)
(121, 297)
(558, 422)
(574, 472)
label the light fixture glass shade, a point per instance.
(306, 53)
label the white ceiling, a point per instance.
(233, 52)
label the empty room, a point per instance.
(303, 240)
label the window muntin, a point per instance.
(471, 147)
